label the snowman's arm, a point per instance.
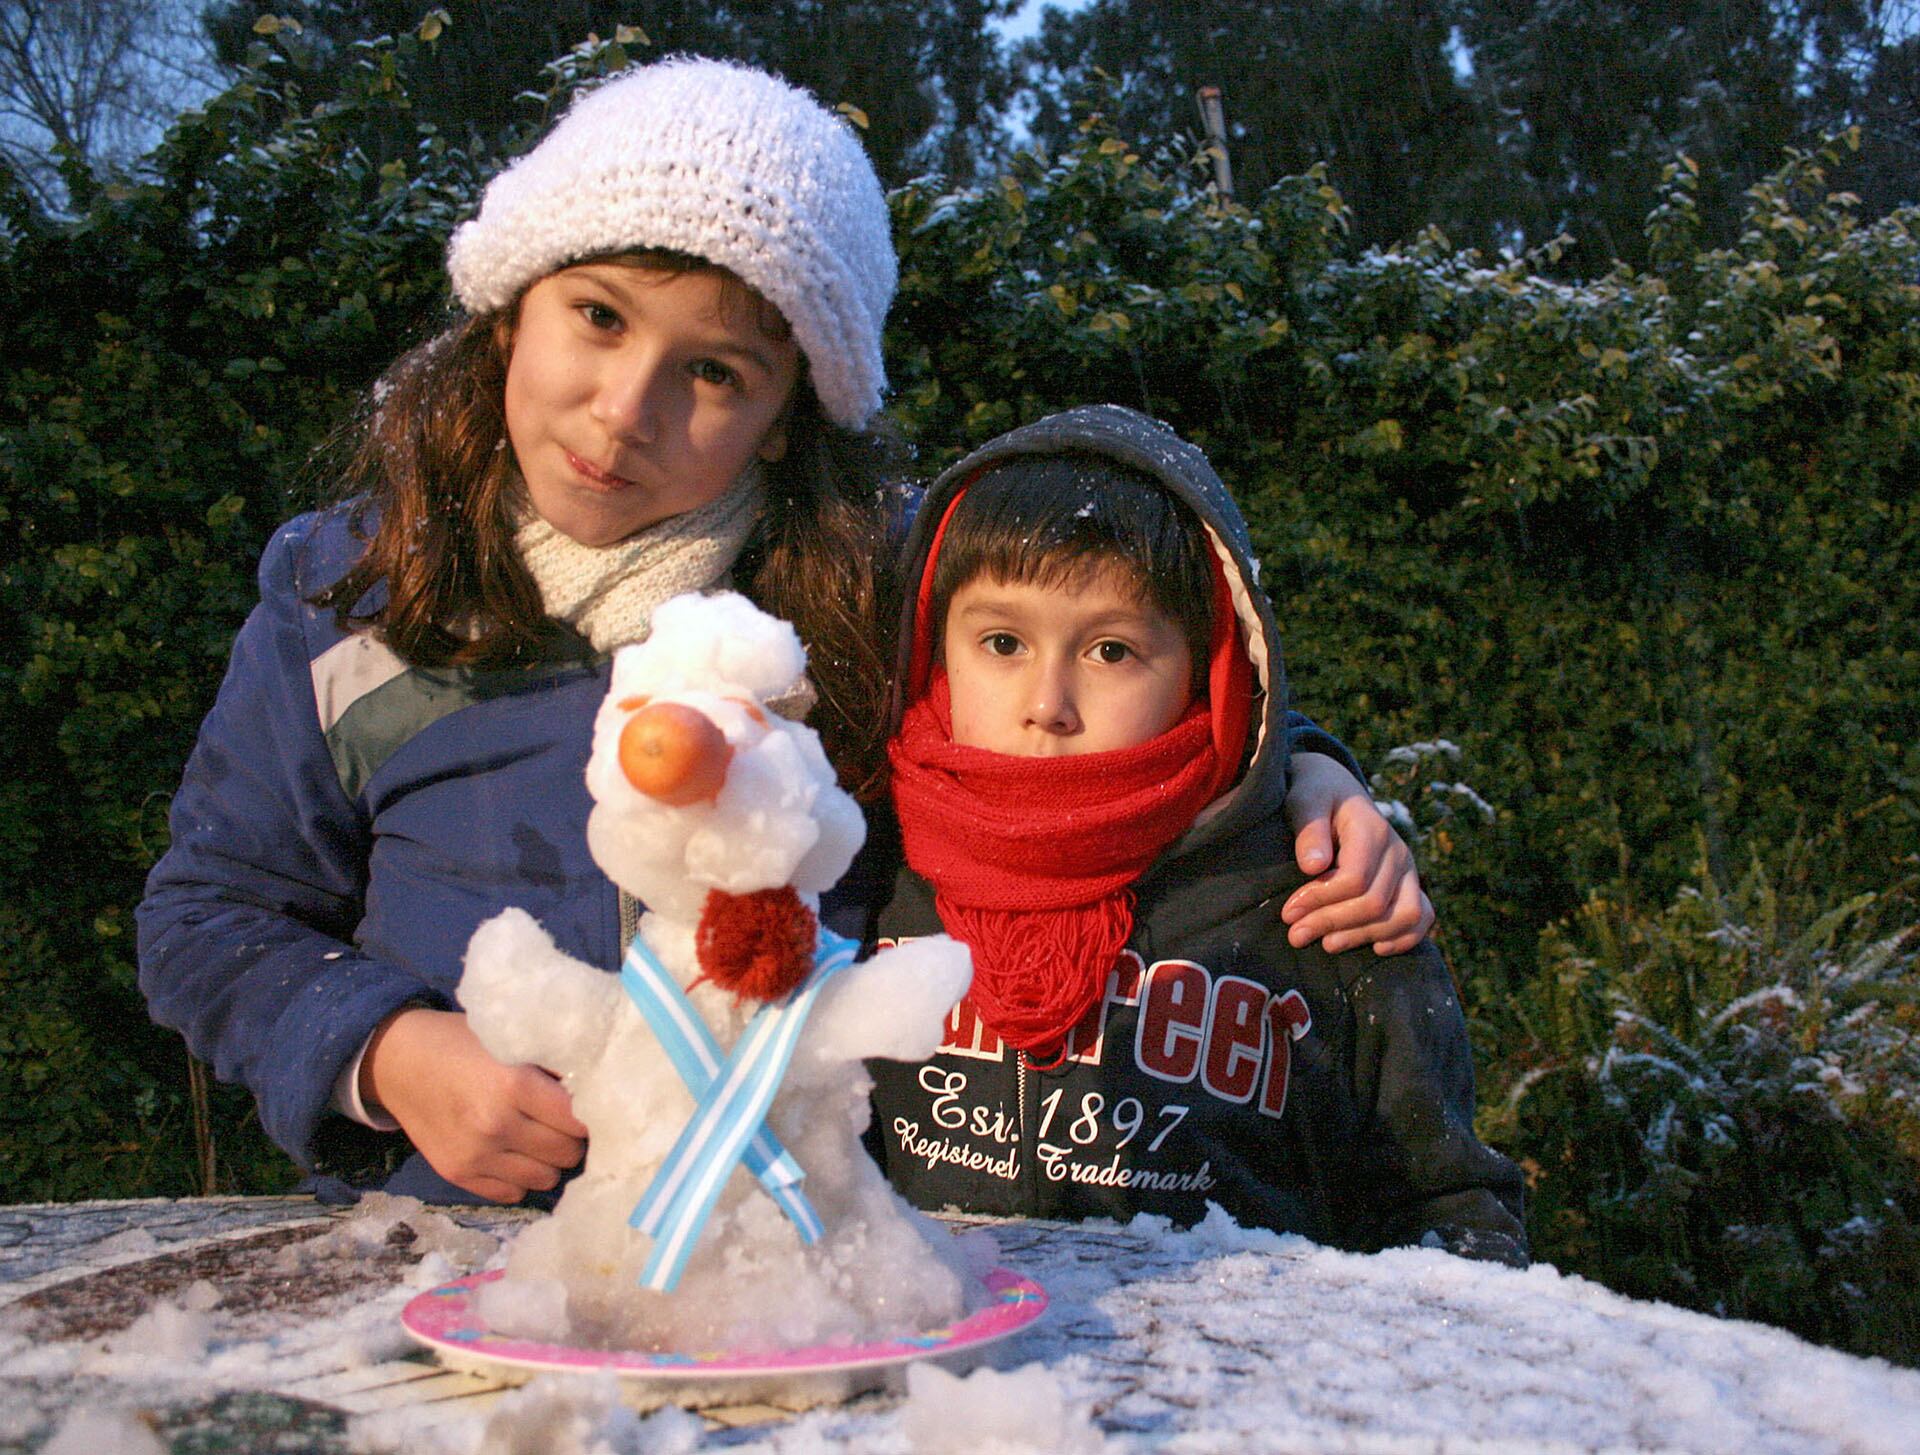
(894, 1005)
(531, 1004)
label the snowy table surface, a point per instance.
(272, 1324)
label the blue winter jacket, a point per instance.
(344, 823)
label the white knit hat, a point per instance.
(719, 161)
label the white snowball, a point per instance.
(526, 1001)
(372, 1225)
(990, 1413)
(669, 1431)
(893, 1005)
(574, 1415)
(430, 1272)
(1219, 1232)
(373, 1345)
(91, 1430)
(375, 1216)
(438, 1236)
(525, 1307)
(708, 641)
(165, 1331)
(133, 1243)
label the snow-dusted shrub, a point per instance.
(1642, 545)
(175, 353)
(1719, 1104)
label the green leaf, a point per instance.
(1382, 437)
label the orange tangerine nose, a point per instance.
(674, 754)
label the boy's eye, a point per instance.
(1001, 644)
(712, 371)
(1111, 652)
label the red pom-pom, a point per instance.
(758, 945)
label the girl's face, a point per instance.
(634, 394)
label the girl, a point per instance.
(664, 383)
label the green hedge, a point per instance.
(1637, 555)
(174, 357)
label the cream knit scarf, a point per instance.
(608, 593)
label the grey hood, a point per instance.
(1144, 444)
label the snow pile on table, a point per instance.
(170, 1328)
(990, 1413)
(551, 1415)
(91, 1431)
(381, 1219)
(133, 1243)
(1217, 1338)
(724, 819)
(1224, 1338)
(323, 1302)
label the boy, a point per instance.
(1088, 772)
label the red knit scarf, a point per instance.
(1031, 859)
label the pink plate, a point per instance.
(447, 1319)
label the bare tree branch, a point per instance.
(96, 79)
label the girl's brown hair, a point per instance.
(437, 497)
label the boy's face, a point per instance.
(1085, 666)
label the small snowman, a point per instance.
(726, 1200)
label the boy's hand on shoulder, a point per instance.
(1365, 888)
(498, 1131)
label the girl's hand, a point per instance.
(1366, 889)
(497, 1131)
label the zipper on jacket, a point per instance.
(629, 922)
(1027, 1153)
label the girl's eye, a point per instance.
(1111, 652)
(598, 315)
(712, 371)
(1001, 644)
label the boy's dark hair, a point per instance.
(1053, 520)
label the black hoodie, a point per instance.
(1329, 1095)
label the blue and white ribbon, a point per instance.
(696, 1056)
(729, 1121)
